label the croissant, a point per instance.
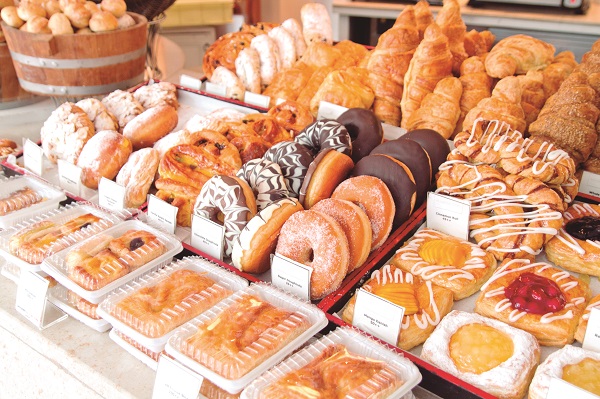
(386, 105)
(590, 62)
(319, 54)
(478, 42)
(504, 105)
(517, 54)
(439, 110)
(313, 84)
(288, 83)
(452, 25)
(477, 85)
(424, 16)
(431, 63)
(353, 53)
(554, 74)
(345, 88)
(533, 96)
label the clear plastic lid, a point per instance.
(244, 335)
(30, 242)
(151, 307)
(23, 197)
(145, 355)
(102, 263)
(77, 307)
(345, 358)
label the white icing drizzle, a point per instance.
(588, 309)
(579, 210)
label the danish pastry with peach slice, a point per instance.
(535, 297)
(425, 304)
(447, 261)
(583, 321)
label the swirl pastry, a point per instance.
(292, 115)
(425, 303)
(7, 147)
(267, 127)
(583, 321)
(458, 265)
(535, 297)
(180, 195)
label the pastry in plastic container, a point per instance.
(77, 307)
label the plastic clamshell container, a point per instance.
(357, 343)
(145, 356)
(57, 267)
(230, 378)
(50, 199)
(59, 296)
(152, 332)
(58, 217)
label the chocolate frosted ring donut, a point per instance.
(434, 143)
(365, 131)
(231, 198)
(293, 159)
(265, 179)
(326, 133)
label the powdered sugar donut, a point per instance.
(231, 198)
(326, 133)
(265, 179)
(293, 159)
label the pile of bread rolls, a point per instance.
(63, 17)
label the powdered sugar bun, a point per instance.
(269, 57)
(247, 68)
(316, 23)
(228, 79)
(295, 29)
(286, 46)
(265, 179)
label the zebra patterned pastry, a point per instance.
(265, 179)
(326, 133)
(293, 159)
(233, 199)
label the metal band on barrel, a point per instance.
(79, 90)
(64, 63)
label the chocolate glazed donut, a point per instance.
(397, 177)
(434, 143)
(365, 131)
(415, 157)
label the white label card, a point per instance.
(590, 183)
(208, 236)
(162, 213)
(31, 296)
(291, 276)
(174, 380)
(69, 177)
(561, 389)
(329, 110)
(257, 99)
(378, 316)
(448, 215)
(215, 89)
(591, 340)
(190, 81)
(111, 195)
(33, 157)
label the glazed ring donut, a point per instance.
(425, 303)
(294, 160)
(355, 223)
(229, 198)
(292, 115)
(328, 169)
(316, 240)
(265, 179)
(255, 244)
(137, 247)
(583, 321)
(397, 177)
(326, 133)
(372, 195)
(434, 144)
(365, 131)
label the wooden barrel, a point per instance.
(79, 65)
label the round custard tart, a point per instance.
(449, 262)
(575, 365)
(486, 353)
(535, 297)
(576, 247)
(583, 321)
(425, 303)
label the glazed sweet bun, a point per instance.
(103, 21)
(11, 16)
(151, 125)
(52, 7)
(103, 156)
(125, 21)
(59, 24)
(28, 10)
(36, 24)
(78, 14)
(115, 7)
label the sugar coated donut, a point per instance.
(293, 159)
(365, 131)
(229, 198)
(373, 196)
(415, 157)
(316, 240)
(265, 179)
(328, 170)
(326, 133)
(355, 223)
(255, 244)
(435, 144)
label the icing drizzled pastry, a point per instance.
(447, 261)
(583, 321)
(535, 297)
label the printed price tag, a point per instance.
(190, 81)
(561, 389)
(174, 380)
(33, 157)
(31, 296)
(291, 276)
(162, 213)
(329, 110)
(69, 177)
(257, 99)
(215, 89)
(590, 183)
(378, 316)
(591, 340)
(208, 236)
(448, 215)
(111, 195)
(391, 132)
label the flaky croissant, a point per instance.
(477, 85)
(533, 96)
(386, 105)
(479, 42)
(517, 54)
(452, 25)
(313, 84)
(288, 83)
(554, 74)
(345, 88)
(423, 15)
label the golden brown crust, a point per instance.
(137, 247)
(518, 54)
(103, 156)
(583, 321)
(224, 51)
(137, 176)
(150, 126)
(333, 168)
